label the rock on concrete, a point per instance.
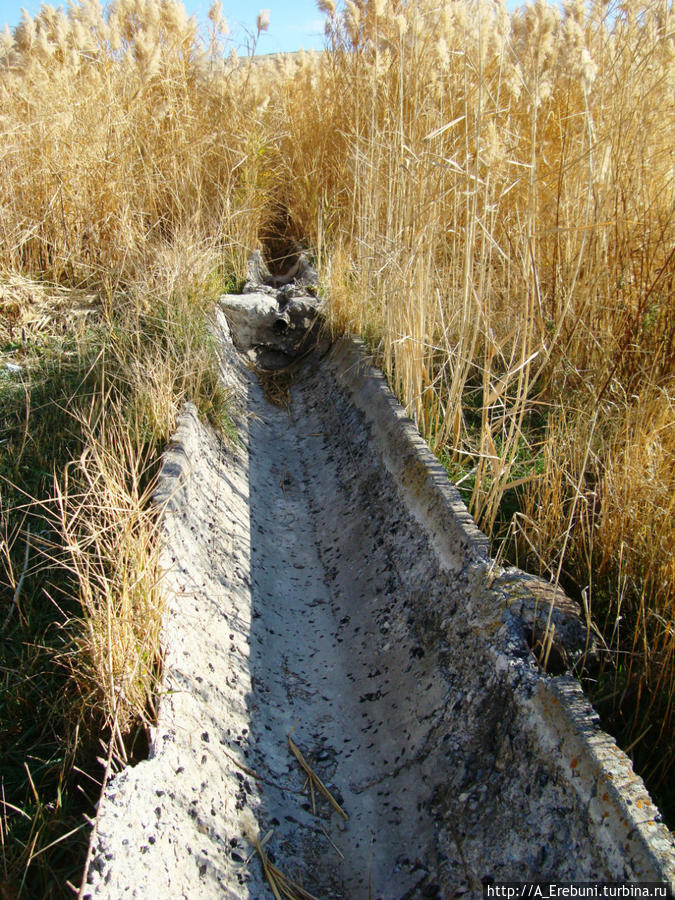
(277, 317)
(300, 273)
(265, 324)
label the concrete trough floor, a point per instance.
(326, 580)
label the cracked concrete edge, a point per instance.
(428, 492)
(174, 476)
(620, 811)
(554, 710)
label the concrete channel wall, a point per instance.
(561, 724)
(324, 576)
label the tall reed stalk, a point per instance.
(490, 199)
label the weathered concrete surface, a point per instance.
(299, 272)
(170, 827)
(277, 317)
(327, 573)
(274, 322)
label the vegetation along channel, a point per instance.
(251, 638)
(349, 690)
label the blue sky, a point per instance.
(293, 23)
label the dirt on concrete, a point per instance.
(325, 580)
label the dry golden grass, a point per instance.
(83, 422)
(280, 884)
(312, 779)
(495, 213)
(490, 200)
(121, 129)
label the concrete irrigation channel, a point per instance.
(326, 582)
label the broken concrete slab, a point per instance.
(300, 273)
(277, 317)
(272, 330)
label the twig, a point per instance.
(19, 586)
(266, 781)
(3, 827)
(314, 779)
(546, 647)
(332, 843)
(281, 885)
